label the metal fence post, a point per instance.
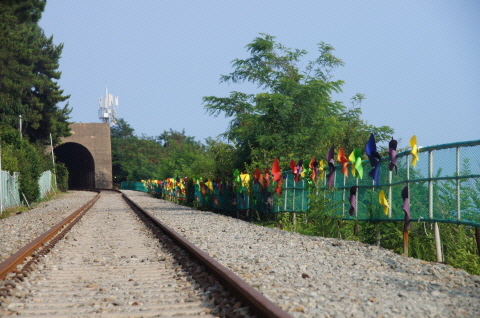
(438, 245)
(459, 216)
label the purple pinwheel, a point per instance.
(392, 153)
(331, 166)
(374, 157)
(406, 223)
(353, 200)
(406, 209)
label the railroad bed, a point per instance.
(313, 276)
(108, 265)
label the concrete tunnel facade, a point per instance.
(87, 154)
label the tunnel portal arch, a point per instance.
(80, 165)
(87, 153)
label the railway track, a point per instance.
(111, 264)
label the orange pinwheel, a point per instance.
(343, 160)
(313, 168)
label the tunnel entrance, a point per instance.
(80, 164)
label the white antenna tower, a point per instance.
(108, 108)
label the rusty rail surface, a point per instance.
(257, 301)
(10, 264)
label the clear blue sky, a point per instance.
(417, 62)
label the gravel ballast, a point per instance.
(323, 277)
(19, 230)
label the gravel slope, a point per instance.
(323, 277)
(19, 230)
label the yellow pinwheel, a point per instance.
(245, 177)
(413, 144)
(321, 168)
(383, 201)
(209, 184)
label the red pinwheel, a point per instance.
(277, 176)
(293, 166)
(277, 173)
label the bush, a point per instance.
(30, 165)
(62, 176)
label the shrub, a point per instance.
(62, 176)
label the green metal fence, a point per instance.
(444, 186)
(10, 192)
(133, 185)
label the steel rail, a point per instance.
(10, 264)
(258, 302)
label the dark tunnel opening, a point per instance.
(80, 164)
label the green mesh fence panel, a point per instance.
(10, 190)
(444, 186)
(133, 185)
(45, 183)
(10, 194)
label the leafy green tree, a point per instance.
(296, 116)
(171, 154)
(133, 158)
(28, 73)
(183, 156)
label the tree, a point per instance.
(183, 156)
(171, 154)
(28, 73)
(133, 158)
(295, 117)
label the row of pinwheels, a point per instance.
(272, 178)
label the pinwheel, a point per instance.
(343, 161)
(278, 188)
(300, 171)
(267, 177)
(277, 173)
(331, 166)
(392, 153)
(374, 157)
(258, 178)
(406, 223)
(245, 177)
(321, 168)
(237, 182)
(313, 168)
(413, 144)
(277, 176)
(209, 184)
(294, 169)
(384, 202)
(219, 185)
(236, 175)
(356, 160)
(353, 200)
